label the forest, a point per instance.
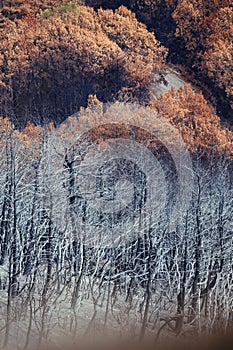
(116, 196)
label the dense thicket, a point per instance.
(161, 273)
(198, 33)
(17, 9)
(196, 120)
(174, 281)
(51, 62)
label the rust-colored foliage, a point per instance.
(51, 61)
(197, 122)
(207, 29)
(217, 58)
(186, 109)
(197, 32)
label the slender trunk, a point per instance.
(197, 266)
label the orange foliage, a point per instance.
(186, 109)
(207, 29)
(50, 65)
(198, 32)
(218, 56)
(197, 122)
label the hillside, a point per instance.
(53, 59)
(199, 36)
(116, 158)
